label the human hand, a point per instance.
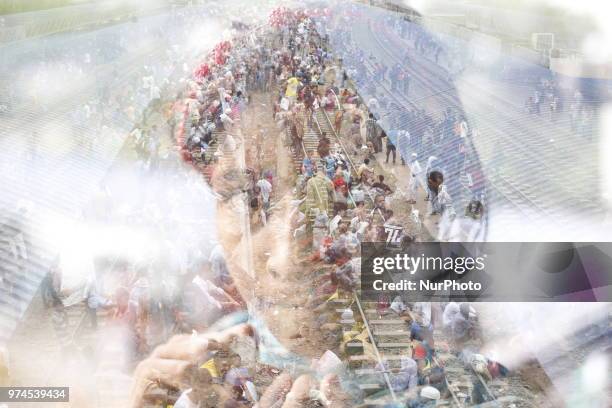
(287, 393)
(172, 365)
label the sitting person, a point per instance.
(399, 307)
(335, 222)
(380, 184)
(458, 320)
(346, 275)
(339, 179)
(427, 398)
(364, 171)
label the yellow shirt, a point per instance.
(292, 85)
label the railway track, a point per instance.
(387, 339)
(533, 203)
(500, 189)
(535, 162)
(323, 124)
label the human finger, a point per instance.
(154, 373)
(333, 394)
(193, 348)
(275, 394)
(227, 336)
(299, 394)
(185, 347)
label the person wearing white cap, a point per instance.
(226, 119)
(427, 398)
(430, 393)
(416, 178)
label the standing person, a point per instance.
(371, 129)
(292, 86)
(355, 135)
(378, 146)
(338, 120)
(415, 179)
(390, 150)
(441, 203)
(330, 167)
(95, 299)
(323, 148)
(256, 205)
(403, 144)
(536, 101)
(265, 188)
(553, 107)
(435, 180)
(319, 191)
(432, 164)
(308, 164)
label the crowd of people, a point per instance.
(342, 196)
(337, 204)
(344, 205)
(367, 166)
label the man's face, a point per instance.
(433, 184)
(278, 286)
(380, 201)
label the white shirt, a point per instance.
(184, 401)
(266, 189)
(463, 129)
(415, 168)
(226, 119)
(424, 310)
(398, 305)
(333, 225)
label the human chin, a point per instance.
(280, 289)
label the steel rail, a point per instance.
(354, 293)
(403, 101)
(448, 99)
